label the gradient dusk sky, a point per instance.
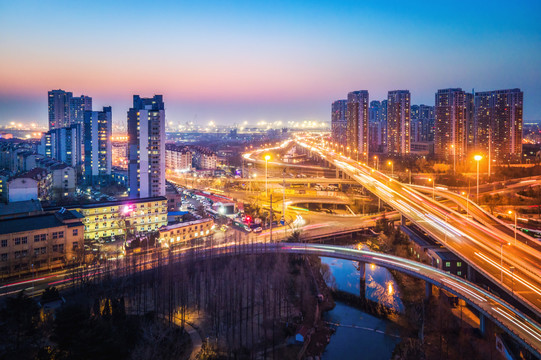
(235, 61)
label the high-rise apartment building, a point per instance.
(63, 144)
(98, 147)
(65, 109)
(357, 124)
(498, 118)
(398, 122)
(422, 123)
(339, 121)
(146, 147)
(453, 124)
(59, 108)
(377, 118)
(77, 107)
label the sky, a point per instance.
(235, 61)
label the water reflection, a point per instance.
(380, 284)
(360, 335)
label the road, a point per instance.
(479, 214)
(485, 250)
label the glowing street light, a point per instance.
(478, 158)
(391, 164)
(433, 186)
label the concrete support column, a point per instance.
(482, 325)
(428, 290)
(403, 220)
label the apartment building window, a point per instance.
(36, 251)
(24, 240)
(75, 246)
(75, 232)
(447, 264)
(43, 237)
(4, 257)
(17, 241)
(43, 250)
(4, 243)
(55, 235)
(24, 253)
(458, 264)
(36, 238)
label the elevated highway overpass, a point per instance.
(516, 268)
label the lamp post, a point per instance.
(478, 159)
(376, 162)
(348, 152)
(501, 260)
(467, 203)
(267, 158)
(409, 173)
(511, 212)
(433, 186)
(392, 168)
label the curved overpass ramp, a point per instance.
(514, 322)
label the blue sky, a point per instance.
(268, 60)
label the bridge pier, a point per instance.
(362, 280)
(482, 325)
(428, 290)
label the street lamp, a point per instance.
(511, 212)
(392, 168)
(467, 203)
(501, 260)
(376, 162)
(478, 159)
(267, 158)
(433, 186)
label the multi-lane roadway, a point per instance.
(494, 254)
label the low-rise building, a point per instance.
(204, 158)
(120, 176)
(447, 261)
(177, 158)
(115, 218)
(180, 234)
(22, 188)
(41, 242)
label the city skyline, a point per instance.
(262, 62)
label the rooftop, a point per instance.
(29, 223)
(19, 208)
(183, 224)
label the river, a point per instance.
(360, 335)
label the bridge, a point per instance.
(515, 268)
(523, 329)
